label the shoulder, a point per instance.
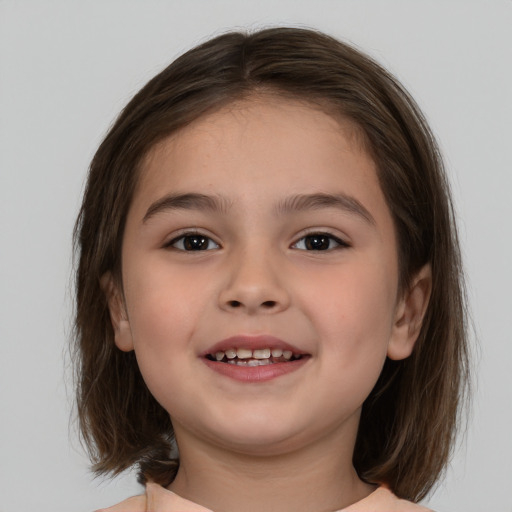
(383, 500)
(134, 504)
(156, 499)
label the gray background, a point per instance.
(67, 68)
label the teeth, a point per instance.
(261, 354)
(231, 353)
(243, 353)
(254, 362)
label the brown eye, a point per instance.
(319, 242)
(193, 242)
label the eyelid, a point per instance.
(342, 243)
(189, 232)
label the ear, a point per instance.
(409, 315)
(122, 331)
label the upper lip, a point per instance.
(254, 342)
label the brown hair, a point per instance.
(408, 422)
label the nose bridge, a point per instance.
(254, 282)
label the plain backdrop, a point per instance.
(67, 68)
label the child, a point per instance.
(270, 308)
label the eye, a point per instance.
(193, 242)
(319, 242)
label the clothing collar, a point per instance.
(159, 499)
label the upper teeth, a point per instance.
(245, 353)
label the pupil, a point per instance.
(195, 243)
(317, 242)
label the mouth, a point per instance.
(254, 358)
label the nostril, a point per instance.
(268, 304)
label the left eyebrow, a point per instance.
(321, 200)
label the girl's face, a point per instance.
(259, 236)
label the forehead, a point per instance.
(246, 139)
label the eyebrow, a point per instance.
(318, 201)
(296, 203)
(190, 201)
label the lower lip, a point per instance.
(256, 373)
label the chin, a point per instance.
(261, 437)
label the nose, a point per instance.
(254, 285)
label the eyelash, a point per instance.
(321, 237)
(309, 239)
(183, 239)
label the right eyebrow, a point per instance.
(190, 201)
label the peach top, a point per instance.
(159, 499)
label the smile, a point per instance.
(254, 358)
(257, 357)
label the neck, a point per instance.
(318, 477)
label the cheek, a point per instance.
(353, 310)
(354, 317)
(162, 301)
(163, 313)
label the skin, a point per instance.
(287, 443)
